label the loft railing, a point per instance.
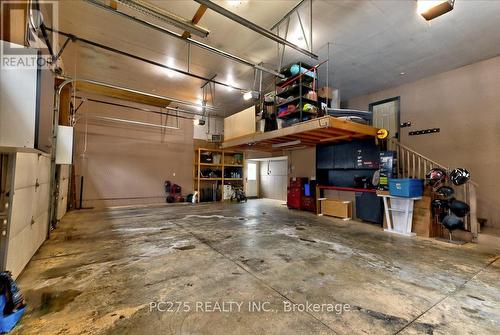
(411, 164)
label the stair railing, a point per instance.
(411, 164)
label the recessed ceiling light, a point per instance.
(402, 73)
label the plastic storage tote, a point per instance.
(407, 188)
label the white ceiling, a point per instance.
(371, 43)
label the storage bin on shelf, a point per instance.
(406, 187)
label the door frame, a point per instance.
(398, 114)
(257, 180)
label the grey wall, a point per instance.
(465, 104)
(273, 185)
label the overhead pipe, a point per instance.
(250, 25)
(188, 40)
(124, 53)
(146, 109)
(140, 123)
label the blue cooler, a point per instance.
(407, 188)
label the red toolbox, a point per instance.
(293, 198)
(294, 192)
(308, 204)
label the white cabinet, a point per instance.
(29, 216)
(18, 105)
(26, 104)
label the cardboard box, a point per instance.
(336, 208)
(423, 223)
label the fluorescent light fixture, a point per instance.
(166, 16)
(286, 144)
(430, 9)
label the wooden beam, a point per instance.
(342, 138)
(196, 18)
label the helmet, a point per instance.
(435, 177)
(452, 222)
(445, 191)
(459, 208)
(439, 207)
(459, 176)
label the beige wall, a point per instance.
(123, 161)
(465, 104)
(302, 163)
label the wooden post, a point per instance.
(474, 224)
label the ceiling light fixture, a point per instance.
(430, 9)
(286, 144)
(198, 122)
(251, 95)
(247, 95)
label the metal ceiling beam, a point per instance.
(189, 40)
(287, 15)
(124, 53)
(250, 25)
(166, 16)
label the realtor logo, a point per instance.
(26, 41)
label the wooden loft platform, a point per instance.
(310, 133)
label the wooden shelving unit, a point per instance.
(228, 168)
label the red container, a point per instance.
(293, 197)
(308, 204)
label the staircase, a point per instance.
(411, 164)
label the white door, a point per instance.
(274, 179)
(252, 189)
(385, 115)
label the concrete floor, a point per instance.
(103, 271)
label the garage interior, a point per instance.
(250, 167)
